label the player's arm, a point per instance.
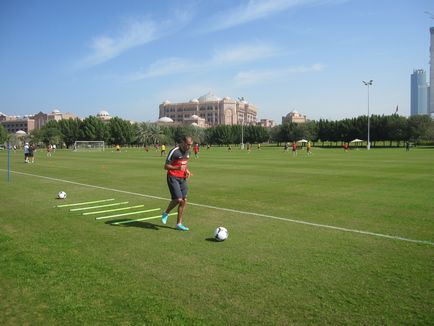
(183, 167)
(169, 166)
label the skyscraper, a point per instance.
(431, 76)
(419, 93)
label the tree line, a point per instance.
(393, 128)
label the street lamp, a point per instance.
(241, 99)
(368, 83)
(242, 134)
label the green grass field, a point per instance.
(61, 267)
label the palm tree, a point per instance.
(143, 133)
(149, 133)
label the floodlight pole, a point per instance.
(241, 99)
(242, 134)
(9, 161)
(368, 83)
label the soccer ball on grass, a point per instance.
(221, 233)
(61, 195)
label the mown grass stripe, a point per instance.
(141, 219)
(337, 228)
(113, 210)
(126, 214)
(85, 203)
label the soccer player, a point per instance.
(163, 150)
(196, 150)
(177, 175)
(26, 153)
(32, 149)
(345, 147)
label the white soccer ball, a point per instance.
(61, 195)
(221, 233)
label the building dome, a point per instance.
(293, 113)
(103, 114)
(227, 98)
(55, 111)
(209, 97)
(194, 116)
(194, 100)
(166, 102)
(165, 119)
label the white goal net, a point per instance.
(94, 145)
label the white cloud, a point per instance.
(261, 76)
(244, 53)
(164, 67)
(133, 33)
(253, 10)
(238, 54)
(104, 48)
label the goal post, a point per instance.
(88, 145)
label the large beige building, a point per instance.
(29, 123)
(213, 110)
(42, 118)
(104, 116)
(12, 124)
(267, 123)
(295, 117)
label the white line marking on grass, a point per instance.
(380, 235)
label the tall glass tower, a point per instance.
(419, 93)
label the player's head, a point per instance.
(186, 143)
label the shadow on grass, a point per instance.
(211, 240)
(139, 224)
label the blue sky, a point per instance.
(127, 57)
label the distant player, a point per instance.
(26, 153)
(196, 150)
(32, 149)
(177, 175)
(294, 149)
(309, 148)
(163, 150)
(346, 147)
